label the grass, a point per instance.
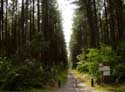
(104, 87)
(84, 77)
(113, 87)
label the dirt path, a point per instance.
(75, 85)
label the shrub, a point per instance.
(104, 55)
(19, 77)
(81, 66)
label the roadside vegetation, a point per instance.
(98, 40)
(86, 78)
(32, 47)
(89, 63)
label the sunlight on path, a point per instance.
(75, 85)
(67, 10)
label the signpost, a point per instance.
(106, 73)
(105, 69)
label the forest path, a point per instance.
(75, 85)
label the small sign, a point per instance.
(106, 68)
(106, 73)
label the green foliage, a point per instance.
(119, 72)
(93, 55)
(104, 55)
(21, 77)
(5, 69)
(15, 77)
(30, 40)
(82, 67)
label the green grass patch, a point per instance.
(83, 76)
(113, 87)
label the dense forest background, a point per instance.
(32, 47)
(99, 37)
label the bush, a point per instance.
(82, 67)
(104, 55)
(119, 72)
(20, 77)
(6, 71)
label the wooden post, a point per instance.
(92, 82)
(76, 83)
(59, 84)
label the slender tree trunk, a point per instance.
(22, 33)
(30, 30)
(106, 22)
(96, 23)
(2, 24)
(112, 24)
(33, 15)
(91, 23)
(12, 37)
(119, 16)
(38, 15)
(6, 29)
(27, 20)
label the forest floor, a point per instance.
(74, 84)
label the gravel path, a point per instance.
(75, 85)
